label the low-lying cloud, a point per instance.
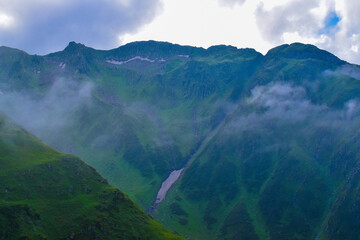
(51, 113)
(284, 107)
(52, 116)
(347, 70)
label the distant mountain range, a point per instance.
(268, 144)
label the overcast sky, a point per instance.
(44, 26)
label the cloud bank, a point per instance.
(283, 108)
(40, 26)
(50, 114)
(294, 16)
(331, 25)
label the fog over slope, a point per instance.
(268, 143)
(43, 115)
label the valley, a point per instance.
(218, 143)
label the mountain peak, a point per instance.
(154, 49)
(74, 46)
(302, 51)
(9, 50)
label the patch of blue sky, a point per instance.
(330, 23)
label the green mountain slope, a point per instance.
(48, 195)
(269, 143)
(284, 162)
(135, 121)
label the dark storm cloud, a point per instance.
(41, 26)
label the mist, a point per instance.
(282, 111)
(279, 111)
(44, 116)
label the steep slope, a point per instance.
(48, 195)
(268, 143)
(284, 163)
(134, 113)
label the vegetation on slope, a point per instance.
(45, 194)
(271, 139)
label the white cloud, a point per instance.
(304, 21)
(40, 26)
(231, 3)
(257, 24)
(276, 105)
(44, 26)
(346, 42)
(6, 21)
(204, 23)
(299, 19)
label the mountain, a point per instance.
(49, 195)
(265, 146)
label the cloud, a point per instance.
(231, 3)
(294, 16)
(347, 70)
(40, 26)
(331, 25)
(346, 42)
(51, 113)
(279, 107)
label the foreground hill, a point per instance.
(267, 144)
(48, 195)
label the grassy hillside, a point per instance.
(284, 162)
(135, 121)
(269, 142)
(49, 195)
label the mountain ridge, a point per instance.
(276, 131)
(185, 49)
